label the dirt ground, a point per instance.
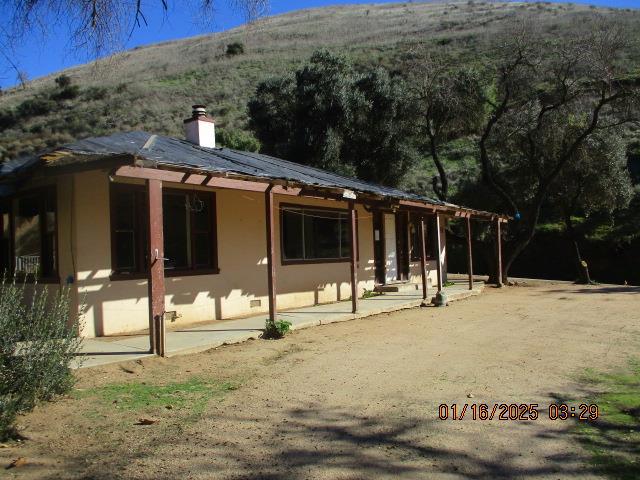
(354, 400)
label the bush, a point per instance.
(67, 93)
(63, 81)
(34, 107)
(7, 119)
(238, 140)
(37, 345)
(235, 48)
(274, 330)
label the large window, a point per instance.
(189, 231)
(430, 237)
(29, 232)
(314, 234)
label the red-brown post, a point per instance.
(271, 241)
(156, 268)
(354, 256)
(423, 259)
(499, 252)
(470, 254)
(439, 253)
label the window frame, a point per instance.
(303, 261)
(429, 223)
(42, 194)
(141, 249)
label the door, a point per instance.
(378, 247)
(390, 248)
(402, 244)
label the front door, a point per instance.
(390, 248)
(402, 244)
(378, 246)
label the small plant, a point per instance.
(63, 81)
(37, 346)
(448, 284)
(235, 48)
(370, 293)
(274, 330)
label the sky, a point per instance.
(38, 55)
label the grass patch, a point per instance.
(614, 439)
(193, 394)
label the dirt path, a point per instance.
(360, 399)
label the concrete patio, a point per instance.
(105, 350)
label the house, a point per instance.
(146, 229)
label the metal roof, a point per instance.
(168, 152)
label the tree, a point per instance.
(596, 180)
(328, 116)
(546, 101)
(450, 105)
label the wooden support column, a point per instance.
(354, 256)
(423, 259)
(469, 254)
(157, 333)
(271, 264)
(499, 252)
(439, 253)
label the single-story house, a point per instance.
(144, 228)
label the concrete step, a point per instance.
(398, 287)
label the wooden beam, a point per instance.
(423, 258)
(499, 251)
(354, 256)
(271, 265)
(439, 254)
(469, 254)
(156, 289)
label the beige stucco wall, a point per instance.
(120, 306)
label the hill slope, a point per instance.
(152, 87)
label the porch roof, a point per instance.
(159, 151)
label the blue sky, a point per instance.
(40, 56)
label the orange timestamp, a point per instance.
(518, 411)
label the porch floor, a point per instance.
(103, 350)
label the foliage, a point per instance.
(275, 330)
(33, 107)
(235, 48)
(63, 81)
(327, 115)
(67, 93)
(37, 346)
(237, 140)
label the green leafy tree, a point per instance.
(327, 115)
(237, 140)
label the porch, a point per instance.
(182, 341)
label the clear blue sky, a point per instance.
(38, 57)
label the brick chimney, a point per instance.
(199, 129)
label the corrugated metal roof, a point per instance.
(171, 152)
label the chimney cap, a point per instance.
(198, 112)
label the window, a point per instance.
(189, 231)
(313, 234)
(29, 234)
(430, 237)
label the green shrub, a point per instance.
(67, 93)
(274, 330)
(7, 119)
(37, 345)
(34, 107)
(63, 81)
(96, 93)
(235, 48)
(238, 140)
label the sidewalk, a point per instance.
(102, 351)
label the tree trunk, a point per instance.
(582, 269)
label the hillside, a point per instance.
(152, 87)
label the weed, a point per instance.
(274, 330)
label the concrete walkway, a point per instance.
(103, 350)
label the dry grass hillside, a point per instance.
(152, 87)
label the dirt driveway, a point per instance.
(357, 399)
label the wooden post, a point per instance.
(423, 259)
(271, 265)
(499, 252)
(157, 332)
(470, 254)
(354, 257)
(439, 253)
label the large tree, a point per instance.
(327, 115)
(548, 99)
